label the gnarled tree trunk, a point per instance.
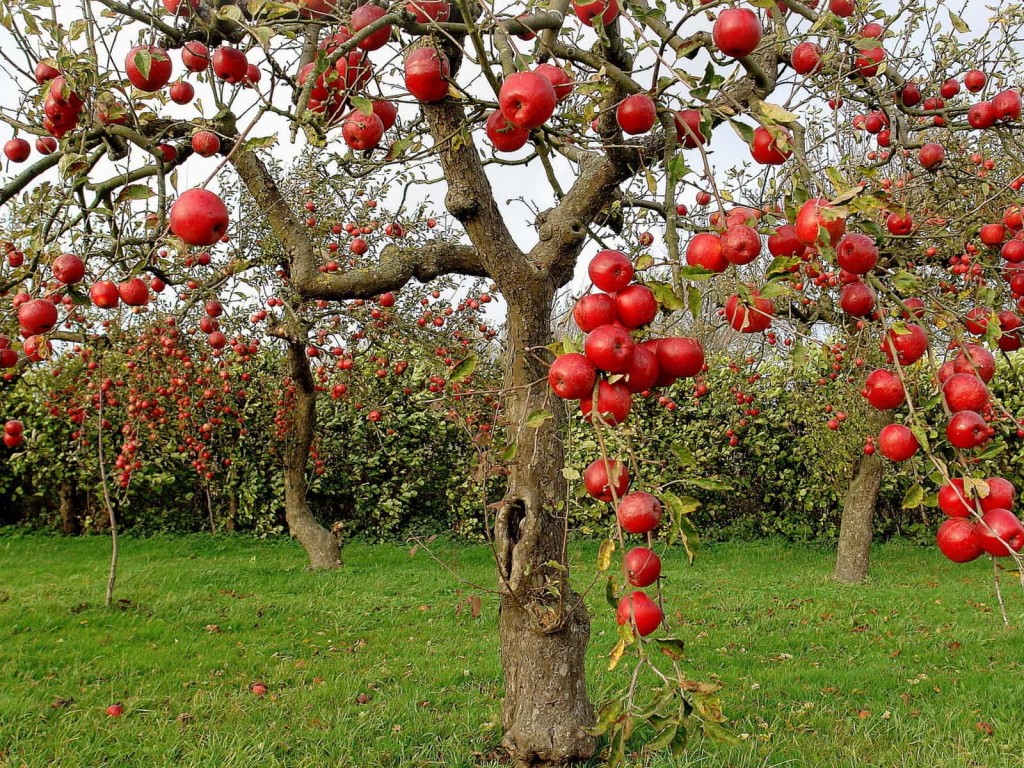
(320, 544)
(544, 625)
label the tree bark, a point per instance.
(853, 554)
(69, 518)
(321, 545)
(544, 626)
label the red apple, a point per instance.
(740, 244)
(134, 292)
(967, 429)
(614, 402)
(364, 16)
(957, 540)
(572, 376)
(17, 150)
(643, 566)
(505, 136)
(594, 310)
(816, 220)
(68, 268)
(558, 78)
(230, 64)
(806, 58)
(182, 92)
(857, 299)
(647, 616)
(751, 316)
(931, 155)
(610, 271)
(965, 392)
(639, 512)
(148, 67)
(195, 56)
(954, 500)
(884, 390)
(199, 217)
(205, 143)
(527, 99)
(909, 341)
(361, 131)
(104, 294)
(605, 478)
(999, 532)
(679, 357)
(705, 250)
(643, 371)
(37, 316)
(766, 148)
(737, 32)
(635, 305)
(425, 73)
(610, 348)
(636, 114)
(897, 443)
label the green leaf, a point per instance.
(744, 131)
(709, 484)
(958, 24)
(775, 113)
(604, 554)
(679, 742)
(671, 646)
(921, 433)
(509, 452)
(664, 737)
(538, 417)
(685, 455)
(721, 734)
(143, 61)
(362, 104)
(263, 35)
(611, 593)
(680, 505)
(606, 715)
(913, 497)
(992, 451)
(133, 192)
(907, 283)
(571, 474)
(463, 370)
(695, 301)
(258, 142)
(666, 296)
(230, 13)
(696, 273)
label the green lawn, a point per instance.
(376, 666)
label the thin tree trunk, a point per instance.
(68, 513)
(229, 517)
(544, 625)
(856, 530)
(321, 545)
(112, 575)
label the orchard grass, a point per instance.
(385, 664)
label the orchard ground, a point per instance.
(387, 662)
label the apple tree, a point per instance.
(598, 122)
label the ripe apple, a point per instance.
(182, 92)
(751, 316)
(558, 78)
(586, 12)
(364, 16)
(643, 371)
(115, 710)
(737, 32)
(230, 64)
(954, 499)
(37, 316)
(957, 540)
(386, 111)
(610, 271)
(982, 115)
(134, 292)
(639, 512)
(647, 616)
(766, 148)
(614, 402)
(999, 532)
(909, 340)
(206, 143)
(572, 376)
(857, 299)
(897, 443)
(967, 429)
(679, 357)
(784, 242)
(635, 305)
(974, 80)
(931, 155)
(104, 294)
(884, 390)
(636, 114)
(427, 11)
(195, 56)
(17, 150)
(527, 99)
(199, 217)
(68, 268)
(148, 67)
(705, 250)
(974, 358)
(806, 58)
(867, 63)
(361, 131)
(815, 220)
(688, 129)
(259, 688)
(857, 253)
(505, 136)
(643, 566)
(965, 392)
(740, 244)
(1007, 105)
(45, 71)
(426, 70)
(47, 145)
(842, 8)
(899, 224)
(610, 348)
(594, 310)
(605, 476)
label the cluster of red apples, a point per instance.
(614, 367)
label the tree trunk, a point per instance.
(544, 625)
(232, 512)
(321, 545)
(69, 519)
(853, 554)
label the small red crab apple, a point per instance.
(115, 710)
(259, 688)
